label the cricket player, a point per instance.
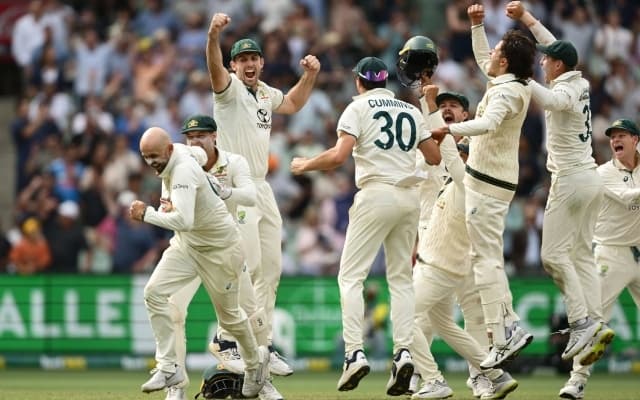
(576, 191)
(383, 134)
(234, 185)
(617, 233)
(244, 106)
(206, 244)
(442, 267)
(492, 175)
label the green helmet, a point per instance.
(220, 383)
(418, 55)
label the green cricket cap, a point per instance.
(245, 46)
(372, 69)
(561, 50)
(199, 123)
(460, 98)
(624, 124)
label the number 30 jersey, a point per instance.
(387, 132)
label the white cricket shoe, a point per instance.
(354, 369)
(401, 372)
(573, 389)
(414, 383)
(175, 393)
(277, 364)
(501, 387)
(594, 350)
(499, 354)
(269, 392)
(162, 379)
(227, 354)
(255, 378)
(579, 337)
(434, 389)
(479, 385)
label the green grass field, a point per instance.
(99, 384)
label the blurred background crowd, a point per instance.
(95, 74)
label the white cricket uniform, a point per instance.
(490, 182)
(231, 170)
(466, 293)
(617, 239)
(442, 267)
(387, 133)
(244, 127)
(206, 244)
(436, 175)
(576, 190)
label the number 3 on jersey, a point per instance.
(393, 131)
(585, 136)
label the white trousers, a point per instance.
(219, 269)
(567, 233)
(380, 215)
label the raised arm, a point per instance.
(430, 112)
(479, 41)
(218, 74)
(516, 11)
(295, 99)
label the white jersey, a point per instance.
(567, 116)
(387, 133)
(244, 122)
(449, 245)
(619, 219)
(492, 167)
(232, 170)
(199, 217)
(437, 175)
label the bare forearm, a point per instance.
(299, 94)
(217, 73)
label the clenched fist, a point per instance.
(297, 165)
(310, 64)
(476, 13)
(137, 209)
(218, 22)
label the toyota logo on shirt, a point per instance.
(263, 116)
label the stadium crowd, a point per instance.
(96, 75)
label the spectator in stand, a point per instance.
(66, 239)
(153, 16)
(68, 171)
(31, 254)
(134, 247)
(38, 198)
(91, 58)
(28, 35)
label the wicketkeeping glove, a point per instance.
(224, 192)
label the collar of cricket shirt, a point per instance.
(621, 166)
(166, 172)
(500, 79)
(221, 162)
(567, 76)
(376, 91)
